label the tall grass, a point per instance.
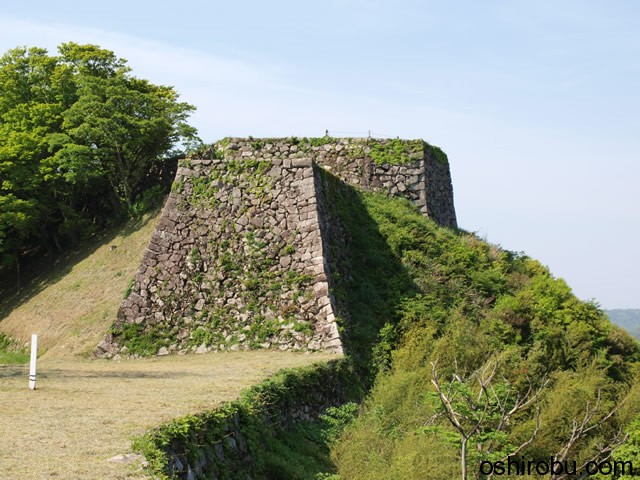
(10, 352)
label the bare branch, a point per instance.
(523, 444)
(446, 402)
(603, 453)
(580, 430)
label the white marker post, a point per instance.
(34, 358)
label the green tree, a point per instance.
(79, 138)
(626, 456)
(480, 409)
(476, 303)
(29, 112)
(119, 126)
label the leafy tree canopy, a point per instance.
(80, 138)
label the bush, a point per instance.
(147, 201)
(10, 352)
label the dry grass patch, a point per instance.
(78, 300)
(85, 412)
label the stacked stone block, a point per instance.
(239, 258)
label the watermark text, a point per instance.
(520, 466)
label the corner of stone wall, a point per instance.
(263, 199)
(328, 325)
(438, 188)
(271, 225)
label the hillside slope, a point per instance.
(627, 318)
(526, 367)
(74, 304)
(492, 328)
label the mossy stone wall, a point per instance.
(230, 441)
(239, 259)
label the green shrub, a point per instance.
(129, 289)
(445, 296)
(10, 352)
(336, 419)
(141, 340)
(276, 445)
(149, 200)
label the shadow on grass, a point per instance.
(13, 371)
(120, 374)
(40, 272)
(368, 279)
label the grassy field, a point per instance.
(71, 306)
(85, 412)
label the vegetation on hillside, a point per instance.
(271, 431)
(627, 318)
(81, 139)
(71, 305)
(470, 354)
(491, 330)
(11, 352)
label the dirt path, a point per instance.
(86, 412)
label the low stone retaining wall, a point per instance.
(224, 443)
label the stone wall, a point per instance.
(439, 192)
(231, 440)
(239, 259)
(409, 168)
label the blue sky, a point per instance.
(536, 103)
